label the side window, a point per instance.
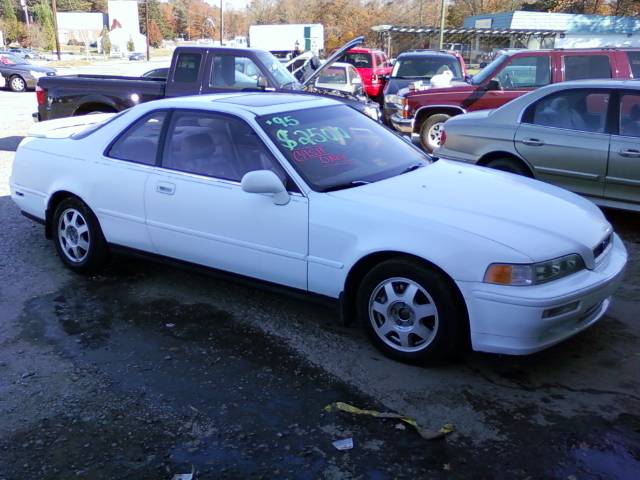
(525, 72)
(582, 110)
(187, 67)
(583, 67)
(140, 142)
(634, 63)
(232, 72)
(217, 146)
(630, 115)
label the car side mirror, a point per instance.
(262, 82)
(494, 84)
(265, 181)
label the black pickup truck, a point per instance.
(193, 71)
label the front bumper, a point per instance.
(403, 125)
(524, 320)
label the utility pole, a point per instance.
(23, 4)
(443, 8)
(54, 8)
(146, 22)
(221, 22)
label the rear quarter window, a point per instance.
(584, 67)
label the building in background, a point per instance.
(124, 26)
(80, 27)
(573, 30)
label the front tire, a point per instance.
(411, 311)
(78, 237)
(431, 131)
(17, 84)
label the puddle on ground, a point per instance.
(240, 403)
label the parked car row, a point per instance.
(193, 70)
(422, 110)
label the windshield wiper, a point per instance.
(343, 186)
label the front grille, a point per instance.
(602, 246)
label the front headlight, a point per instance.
(372, 111)
(535, 273)
(35, 74)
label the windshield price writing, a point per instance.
(312, 136)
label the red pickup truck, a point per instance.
(373, 67)
(513, 73)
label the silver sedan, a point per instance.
(582, 135)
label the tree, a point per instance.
(130, 45)
(44, 16)
(11, 26)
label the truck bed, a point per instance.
(103, 93)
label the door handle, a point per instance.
(165, 188)
(533, 142)
(630, 152)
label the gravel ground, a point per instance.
(146, 371)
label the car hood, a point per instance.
(455, 86)
(333, 58)
(537, 220)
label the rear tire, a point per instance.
(431, 131)
(78, 237)
(17, 84)
(510, 165)
(411, 312)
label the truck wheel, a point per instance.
(510, 165)
(411, 312)
(431, 131)
(17, 84)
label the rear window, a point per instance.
(584, 67)
(187, 67)
(634, 63)
(425, 67)
(358, 60)
(333, 75)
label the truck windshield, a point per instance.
(489, 71)
(281, 74)
(426, 67)
(336, 147)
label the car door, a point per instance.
(623, 174)
(565, 138)
(119, 178)
(198, 212)
(519, 75)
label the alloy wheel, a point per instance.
(18, 84)
(434, 135)
(403, 314)
(73, 235)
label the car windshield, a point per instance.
(279, 71)
(426, 67)
(488, 71)
(358, 60)
(336, 147)
(10, 59)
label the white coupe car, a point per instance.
(304, 192)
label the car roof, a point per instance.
(516, 51)
(426, 53)
(363, 50)
(594, 83)
(256, 103)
